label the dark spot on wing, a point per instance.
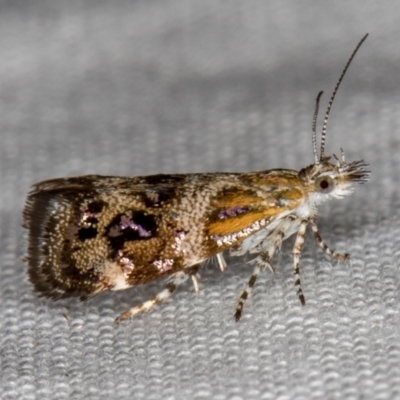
(85, 227)
(156, 196)
(95, 207)
(131, 226)
(87, 233)
(92, 220)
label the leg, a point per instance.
(262, 261)
(176, 279)
(298, 247)
(221, 261)
(324, 247)
(192, 271)
(195, 278)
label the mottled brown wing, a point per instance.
(93, 233)
(75, 230)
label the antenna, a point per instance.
(314, 127)
(328, 110)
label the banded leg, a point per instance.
(324, 247)
(262, 261)
(297, 249)
(175, 280)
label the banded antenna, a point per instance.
(314, 127)
(322, 156)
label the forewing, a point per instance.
(92, 233)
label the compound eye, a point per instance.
(324, 184)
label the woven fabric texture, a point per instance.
(144, 87)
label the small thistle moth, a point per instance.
(90, 234)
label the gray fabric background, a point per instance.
(143, 87)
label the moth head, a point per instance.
(322, 178)
(328, 180)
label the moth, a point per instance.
(89, 234)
